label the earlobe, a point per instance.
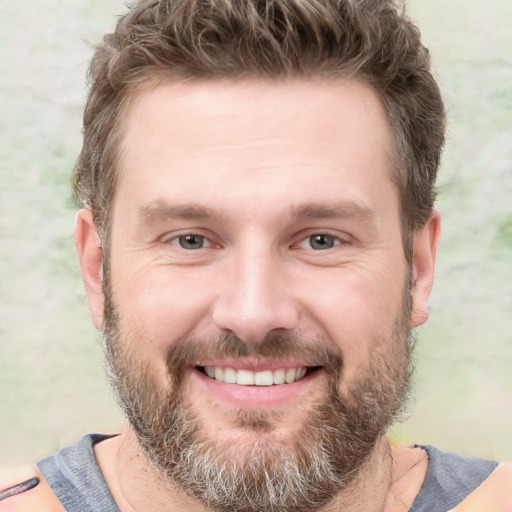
(90, 256)
(425, 241)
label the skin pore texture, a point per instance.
(256, 229)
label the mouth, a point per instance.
(256, 383)
(264, 378)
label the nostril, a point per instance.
(252, 324)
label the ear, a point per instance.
(425, 241)
(90, 256)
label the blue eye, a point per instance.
(321, 242)
(191, 242)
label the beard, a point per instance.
(320, 459)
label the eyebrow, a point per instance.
(350, 210)
(160, 210)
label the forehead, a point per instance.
(294, 135)
(257, 107)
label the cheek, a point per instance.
(357, 308)
(163, 303)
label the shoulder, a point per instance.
(26, 489)
(456, 473)
(493, 495)
(67, 480)
(75, 477)
(450, 478)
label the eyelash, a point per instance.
(177, 241)
(333, 241)
(310, 239)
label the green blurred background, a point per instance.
(52, 387)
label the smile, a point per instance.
(250, 384)
(244, 377)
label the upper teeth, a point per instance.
(249, 378)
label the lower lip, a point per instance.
(256, 397)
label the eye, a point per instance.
(192, 242)
(320, 242)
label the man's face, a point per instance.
(257, 290)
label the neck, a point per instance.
(369, 489)
(388, 482)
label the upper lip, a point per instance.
(254, 364)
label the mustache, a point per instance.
(282, 346)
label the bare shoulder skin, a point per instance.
(25, 489)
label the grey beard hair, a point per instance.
(317, 467)
(327, 453)
(292, 486)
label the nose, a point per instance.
(255, 297)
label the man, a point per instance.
(257, 239)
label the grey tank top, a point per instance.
(77, 481)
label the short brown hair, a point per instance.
(371, 40)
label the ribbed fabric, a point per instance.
(76, 479)
(450, 478)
